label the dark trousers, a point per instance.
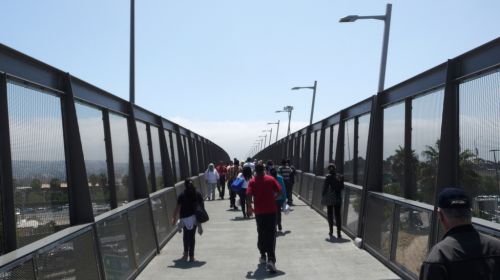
(189, 241)
(266, 230)
(289, 192)
(338, 222)
(232, 194)
(221, 186)
(279, 203)
(243, 199)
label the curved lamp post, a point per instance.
(287, 109)
(314, 97)
(387, 20)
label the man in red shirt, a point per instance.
(222, 170)
(263, 190)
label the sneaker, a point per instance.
(279, 228)
(192, 259)
(262, 260)
(271, 267)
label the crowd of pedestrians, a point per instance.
(264, 191)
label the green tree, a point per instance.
(467, 176)
(427, 174)
(55, 184)
(93, 179)
(103, 180)
(36, 185)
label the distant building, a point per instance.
(45, 186)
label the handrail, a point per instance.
(22, 254)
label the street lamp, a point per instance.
(289, 110)
(387, 20)
(265, 139)
(314, 97)
(260, 144)
(270, 134)
(132, 52)
(277, 129)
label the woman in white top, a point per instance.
(246, 175)
(211, 178)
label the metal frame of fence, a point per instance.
(446, 76)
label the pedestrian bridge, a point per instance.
(88, 181)
(227, 250)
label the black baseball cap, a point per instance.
(453, 198)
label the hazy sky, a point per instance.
(222, 67)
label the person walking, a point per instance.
(232, 173)
(221, 184)
(287, 171)
(463, 253)
(187, 202)
(246, 175)
(331, 197)
(211, 178)
(280, 201)
(262, 191)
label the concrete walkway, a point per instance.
(227, 250)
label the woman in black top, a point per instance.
(332, 197)
(185, 209)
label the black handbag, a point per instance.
(201, 214)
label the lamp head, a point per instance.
(279, 111)
(295, 88)
(351, 18)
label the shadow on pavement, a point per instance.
(262, 273)
(240, 218)
(182, 264)
(337, 240)
(283, 233)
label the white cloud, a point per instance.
(236, 137)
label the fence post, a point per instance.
(80, 204)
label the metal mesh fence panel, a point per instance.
(74, 259)
(155, 145)
(353, 201)
(141, 227)
(24, 271)
(310, 187)
(179, 188)
(160, 217)
(317, 193)
(92, 136)
(297, 183)
(379, 224)
(120, 145)
(116, 247)
(143, 144)
(170, 201)
(479, 155)
(38, 162)
(413, 237)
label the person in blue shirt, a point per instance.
(280, 200)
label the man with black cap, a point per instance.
(464, 253)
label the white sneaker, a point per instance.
(271, 267)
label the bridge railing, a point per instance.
(399, 148)
(118, 245)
